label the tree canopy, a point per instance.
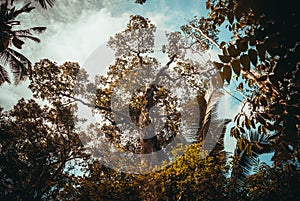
(159, 135)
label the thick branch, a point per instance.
(162, 70)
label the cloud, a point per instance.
(10, 94)
(66, 41)
(74, 30)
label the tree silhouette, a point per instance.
(9, 37)
(39, 150)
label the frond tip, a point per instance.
(45, 3)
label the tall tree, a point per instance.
(134, 85)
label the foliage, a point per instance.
(192, 177)
(40, 145)
(274, 183)
(53, 82)
(63, 82)
(264, 50)
(262, 56)
(39, 151)
(10, 37)
(104, 183)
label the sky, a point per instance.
(75, 29)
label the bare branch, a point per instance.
(205, 36)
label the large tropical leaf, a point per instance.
(29, 31)
(3, 76)
(261, 145)
(211, 114)
(19, 35)
(219, 147)
(209, 120)
(19, 64)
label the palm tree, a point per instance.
(245, 160)
(210, 127)
(19, 64)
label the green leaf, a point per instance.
(224, 58)
(232, 51)
(245, 61)
(240, 144)
(250, 83)
(222, 44)
(261, 51)
(247, 122)
(242, 130)
(241, 86)
(218, 65)
(225, 52)
(262, 78)
(17, 43)
(230, 17)
(227, 73)
(4, 43)
(234, 132)
(260, 119)
(253, 124)
(242, 44)
(252, 40)
(253, 56)
(236, 67)
(207, 5)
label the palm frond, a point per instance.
(4, 57)
(19, 70)
(20, 56)
(202, 103)
(35, 39)
(19, 65)
(219, 147)
(212, 98)
(29, 31)
(44, 3)
(4, 77)
(210, 125)
(3, 9)
(15, 12)
(261, 145)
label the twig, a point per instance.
(205, 36)
(233, 95)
